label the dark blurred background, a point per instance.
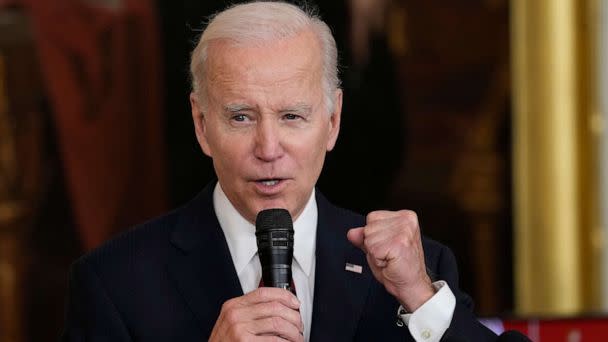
(96, 133)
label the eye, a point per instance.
(290, 116)
(239, 118)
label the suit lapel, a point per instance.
(200, 264)
(339, 295)
(202, 268)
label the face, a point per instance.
(265, 123)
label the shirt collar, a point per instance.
(240, 233)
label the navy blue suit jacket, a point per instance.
(166, 280)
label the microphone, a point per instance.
(274, 235)
(512, 336)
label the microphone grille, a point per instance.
(273, 219)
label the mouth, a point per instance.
(269, 182)
(270, 186)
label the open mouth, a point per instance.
(270, 186)
(269, 181)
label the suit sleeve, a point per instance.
(90, 314)
(464, 323)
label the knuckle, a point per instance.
(409, 215)
(374, 251)
(406, 242)
(231, 317)
(369, 246)
(261, 293)
(275, 306)
(275, 323)
(227, 305)
(372, 216)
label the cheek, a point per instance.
(229, 153)
(311, 152)
(232, 147)
(234, 156)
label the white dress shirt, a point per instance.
(426, 324)
(240, 236)
(430, 321)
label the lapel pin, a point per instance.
(353, 268)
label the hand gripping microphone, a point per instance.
(274, 235)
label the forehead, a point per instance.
(274, 67)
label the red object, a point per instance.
(103, 77)
(562, 330)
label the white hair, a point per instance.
(263, 22)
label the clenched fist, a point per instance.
(391, 240)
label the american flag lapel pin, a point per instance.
(353, 268)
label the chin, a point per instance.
(273, 204)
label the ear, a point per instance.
(198, 117)
(334, 120)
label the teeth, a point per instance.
(270, 182)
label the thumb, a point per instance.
(356, 237)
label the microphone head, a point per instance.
(273, 219)
(274, 235)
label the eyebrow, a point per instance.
(299, 108)
(237, 107)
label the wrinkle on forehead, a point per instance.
(232, 67)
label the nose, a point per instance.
(268, 145)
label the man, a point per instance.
(266, 106)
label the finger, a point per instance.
(237, 319)
(402, 227)
(356, 236)
(405, 217)
(276, 326)
(386, 246)
(272, 338)
(378, 253)
(380, 263)
(270, 294)
(381, 215)
(272, 309)
(370, 235)
(383, 231)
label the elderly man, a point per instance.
(266, 107)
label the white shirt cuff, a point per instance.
(430, 321)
